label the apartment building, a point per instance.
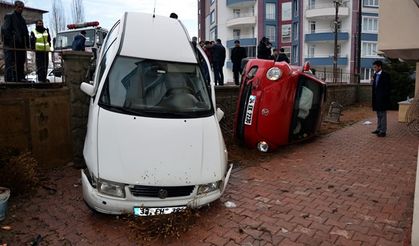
(304, 28)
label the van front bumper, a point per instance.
(113, 205)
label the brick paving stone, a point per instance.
(345, 188)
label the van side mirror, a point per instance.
(87, 88)
(219, 114)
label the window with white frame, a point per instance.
(236, 33)
(287, 50)
(212, 17)
(366, 74)
(371, 3)
(295, 9)
(310, 51)
(286, 11)
(369, 49)
(370, 24)
(270, 11)
(236, 13)
(294, 54)
(312, 27)
(270, 32)
(286, 33)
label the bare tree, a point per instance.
(77, 11)
(57, 17)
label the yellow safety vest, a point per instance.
(41, 41)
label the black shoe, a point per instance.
(375, 132)
(381, 134)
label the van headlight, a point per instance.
(207, 188)
(111, 188)
(274, 73)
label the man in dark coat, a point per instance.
(218, 59)
(264, 49)
(237, 55)
(16, 39)
(282, 56)
(380, 97)
(79, 42)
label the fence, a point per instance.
(18, 67)
(341, 77)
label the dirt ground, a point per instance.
(242, 156)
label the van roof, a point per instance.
(158, 38)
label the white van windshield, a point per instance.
(156, 89)
(65, 39)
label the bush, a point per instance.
(402, 81)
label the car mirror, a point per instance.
(219, 114)
(87, 88)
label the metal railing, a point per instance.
(327, 77)
(25, 74)
(324, 5)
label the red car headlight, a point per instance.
(274, 73)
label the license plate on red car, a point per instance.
(249, 110)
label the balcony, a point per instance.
(243, 42)
(325, 11)
(324, 36)
(240, 3)
(326, 60)
(241, 20)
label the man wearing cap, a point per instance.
(237, 55)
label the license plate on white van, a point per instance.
(249, 110)
(140, 211)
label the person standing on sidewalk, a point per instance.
(218, 59)
(41, 41)
(380, 97)
(15, 37)
(237, 55)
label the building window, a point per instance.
(370, 24)
(286, 11)
(310, 51)
(366, 74)
(295, 31)
(236, 13)
(295, 9)
(312, 27)
(212, 1)
(213, 34)
(271, 33)
(270, 11)
(369, 49)
(371, 3)
(286, 33)
(311, 4)
(212, 17)
(236, 33)
(294, 54)
(287, 50)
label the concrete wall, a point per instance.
(37, 120)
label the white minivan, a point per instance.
(153, 143)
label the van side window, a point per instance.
(113, 34)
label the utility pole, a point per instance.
(335, 56)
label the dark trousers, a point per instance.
(382, 121)
(14, 65)
(236, 75)
(41, 65)
(218, 73)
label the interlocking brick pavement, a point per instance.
(346, 188)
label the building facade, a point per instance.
(304, 28)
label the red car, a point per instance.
(278, 104)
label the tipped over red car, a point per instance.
(278, 104)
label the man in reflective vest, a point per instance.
(41, 41)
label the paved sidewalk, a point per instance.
(347, 188)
